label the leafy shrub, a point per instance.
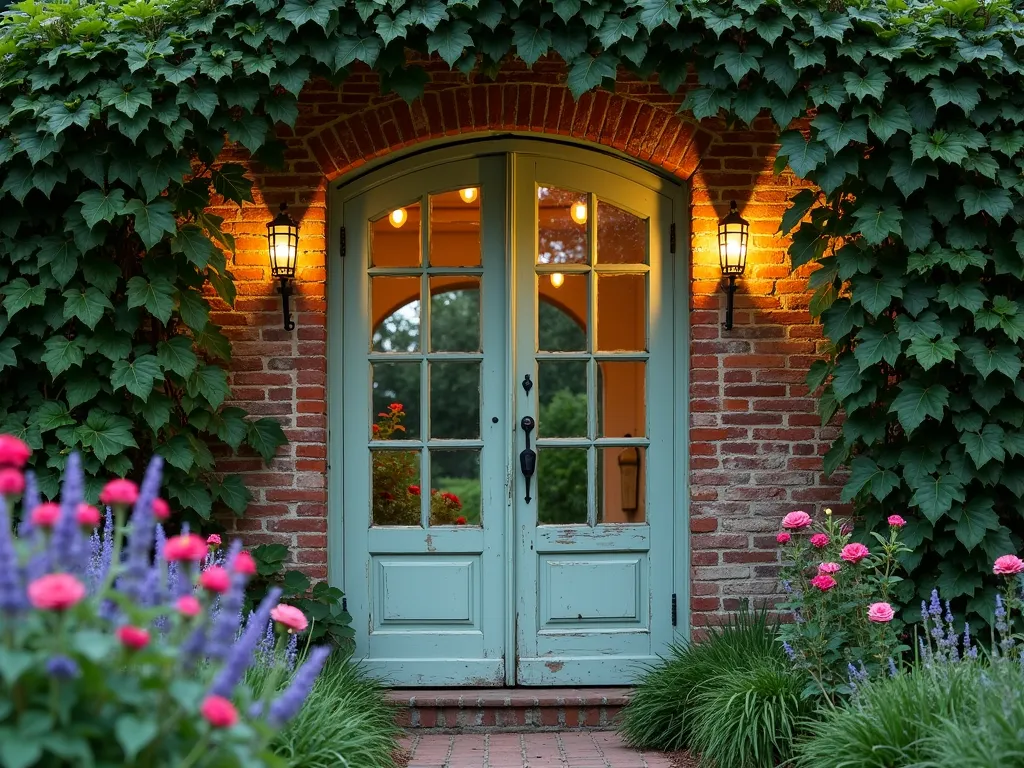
(675, 704)
(110, 655)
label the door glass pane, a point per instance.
(455, 314)
(396, 498)
(621, 236)
(620, 399)
(395, 306)
(395, 238)
(620, 484)
(562, 313)
(621, 313)
(562, 395)
(455, 487)
(455, 228)
(396, 401)
(562, 226)
(561, 482)
(455, 400)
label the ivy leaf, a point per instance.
(232, 427)
(137, 376)
(938, 145)
(874, 346)
(106, 434)
(176, 355)
(910, 175)
(86, 305)
(967, 294)
(157, 296)
(935, 495)
(838, 133)
(802, 203)
(195, 312)
(156, 410)
(97, 206)
(299, 12)
(191, 242)
(80, 387)
(871, 84)
(914, 403)
(211, 382)
(191, 495)
(865, 473)
(1004, 358)
(587, 72)
(653, 13)
(893, 118)
(930, 353)
(232, 492)
(127, 99)
(1010, 143)
(364, 49)
(973, 521)
(134, 733)
(61, 354)
(963, 92)
(841, 318)
(847, 379)
(19, 295)
(984, 446)
(450, 40)
(737, 62)
(802, 156)
(993, 201)
(177, 452)
(7, 357)
(876, 294)
(265, 436)
(152, 221)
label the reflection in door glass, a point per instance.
(620, 399)
(620, 484)
(621, 236)
(454, 400)
(455, 228)
(395, 307)
(562, 226)
(561, 486)
(562, 314)
(562, 396)
(455, 314)
(395, 238)
(621, 313)
(455, 487)
(396, 401)
(396, 487)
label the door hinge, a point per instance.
(343, 242)
(674, 606)
(672, 237)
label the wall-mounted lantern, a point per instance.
(733, 232)
(283, 242)
(629, 479)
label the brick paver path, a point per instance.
(567, 749)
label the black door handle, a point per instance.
(528, 457)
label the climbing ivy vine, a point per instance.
(910, 122)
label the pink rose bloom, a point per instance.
(13, 452)
(213, 540)
(119, 493)
(219, 712)
(854, 553)
(187, 605)
(215, 579)
(823, 581)
(881, 613)
(819, 540)
(895, 521)
(12, 482)
(783, 538)
(290, 617)
(187, 547)
(45, 515)
(828, 568)
(135, 638)
(87, 516)
(244, 564)
(1007, 565)
(161, 509)
(796, 520)
(55, 592)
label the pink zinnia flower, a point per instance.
(45, 515)
(119, 493)
(290, 617)
(245, 564)
(829, 568)
(13, 452)
(187, 547)
(895, 521)
(87, 515)
(783, 538)
(215, 579)
(55, 592)
(819, 540)
(823, 581)
(881, 613)
(12, 482)
(161, 509)
(854, 553)
(219, 712)
(189, 606)
(135, 638)
(213, 540)
(1007, 565)
(796, 520)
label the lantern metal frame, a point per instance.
(733, 224)
(284, 226)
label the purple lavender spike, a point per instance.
(240, 657)
(67, 549)
(935, 607)
(225, 626)
(29, 501)
(290, 702)
(140, 544)
(12, 589)
(291, 653)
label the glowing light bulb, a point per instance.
(398, 217)
(578, 211)
(557, 278)
(468, 194)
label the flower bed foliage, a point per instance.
(129, 648)
(114, 114)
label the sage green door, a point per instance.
(462, 281)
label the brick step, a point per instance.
(509, 709)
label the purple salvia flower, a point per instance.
(93, 572)
(139, 547)
(290, 702)
(224, 627)
(924, 612)
(192, 648)
(12, 588)
(67, 547)
(240, 657)
(949, 614)
(159, 541)
(267, 644)
(291, 652)
(62, 667)
(787, 587)
(29, 501)
(935, 608)
(892, 668)
(788, 649)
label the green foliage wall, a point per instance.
(916, 129)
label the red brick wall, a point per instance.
(756, 443)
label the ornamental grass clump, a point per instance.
(123, 649)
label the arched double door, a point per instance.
(501, 313)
